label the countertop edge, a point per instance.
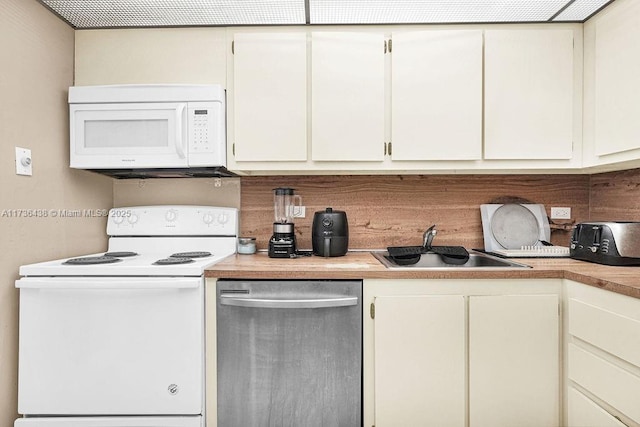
(362, 265)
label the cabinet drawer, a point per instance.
(584, 412)
(614, 385)
(614, 333)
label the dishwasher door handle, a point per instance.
(288, 303)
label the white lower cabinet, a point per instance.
(420, 360)
(585, 412)
(603, 362)
(514, 360)
(462, 353)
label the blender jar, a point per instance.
(285, 204)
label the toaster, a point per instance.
(610, 242)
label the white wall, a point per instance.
(168, 55)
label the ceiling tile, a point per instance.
(171, 13)
(431, 11)
(580, 10)
(159, 13)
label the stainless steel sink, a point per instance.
(434, 261)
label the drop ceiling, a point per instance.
(84, 14)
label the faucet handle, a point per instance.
(428, 236)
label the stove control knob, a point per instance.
(207, 218)
(171, 215)
(118, 219)
(133, 219)
(223, 218)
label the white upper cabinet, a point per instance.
(612, 87)
(270, 97)
(436, 95)
(347, 96)
(617, 86)
(459, 100)
(529, 94)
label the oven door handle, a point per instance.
(89, 284)
(288, 303)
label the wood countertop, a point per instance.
(363, 265)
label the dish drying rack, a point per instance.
(534, 252)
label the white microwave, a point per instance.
(148, 130)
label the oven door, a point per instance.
(111, 346)
(133, 135)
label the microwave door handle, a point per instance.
(288, 303)
(179, 131)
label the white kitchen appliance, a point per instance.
(117, 338)
(148, 130)
(289, 353)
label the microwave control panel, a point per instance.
(206, 123)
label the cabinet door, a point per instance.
(419, 361)
(528, 94)
(617, 386)
(617, 66)
(583, 412)
(514, 361)
(347, 91)
(436, 95)
(270, 96)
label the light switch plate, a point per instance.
(23, 161)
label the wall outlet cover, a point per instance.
(299, 211)
(560, 213)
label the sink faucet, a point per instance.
(428, 236)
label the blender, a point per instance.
(283, 241)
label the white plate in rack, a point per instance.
(512, 226)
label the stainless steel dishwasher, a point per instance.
(289, 353)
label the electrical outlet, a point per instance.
(560, 213)
(299, 211)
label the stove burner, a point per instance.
(173, 261)
(201, 254)
(90, 260)
(120, 254)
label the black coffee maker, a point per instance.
(330, 233)
(283, 241)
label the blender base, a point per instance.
(282, 248)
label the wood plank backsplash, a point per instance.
(615, 196)
(395, 210)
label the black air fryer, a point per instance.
(330, 233)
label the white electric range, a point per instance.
(117, 338)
